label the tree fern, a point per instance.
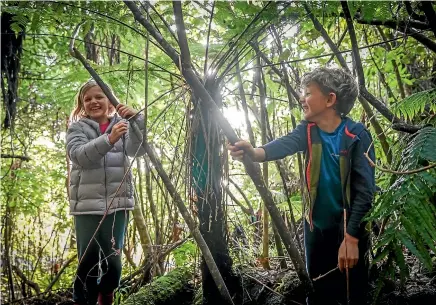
(409, 204)
(416, 103)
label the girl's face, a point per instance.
(315, 103)
(96, 104)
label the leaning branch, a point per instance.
(387, 170)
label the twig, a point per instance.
(325, 274)
(346, 257)
(272, 290)
(409, 172)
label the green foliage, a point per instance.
(410, 205)
(185, 254)
(416, 104)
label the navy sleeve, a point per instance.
(362, 183)
(293, 142)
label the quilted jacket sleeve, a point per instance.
(85, 152)
(133, 143)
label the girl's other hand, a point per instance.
(125, 112)
(117, 131)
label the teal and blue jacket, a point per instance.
(357, 175)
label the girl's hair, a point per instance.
(337, 81)
(79, 110)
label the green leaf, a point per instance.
(285, 55)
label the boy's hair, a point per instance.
(79, 111)
(337, 81)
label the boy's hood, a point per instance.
(353, 128)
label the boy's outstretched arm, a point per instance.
(279, 148)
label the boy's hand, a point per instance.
(125, 111)
(348, 257)
(238, 150)
(117, 131)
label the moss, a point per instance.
(172, 288)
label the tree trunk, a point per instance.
(205, 98)
(206, 182)
(263, 113)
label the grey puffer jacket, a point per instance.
(98, 167)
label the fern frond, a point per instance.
(421, 147)
(416, 103)
(409, 204)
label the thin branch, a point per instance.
(386, 170)
(28, 282)
(6, 156)
(226, 55)
(430, 44)
(427, 8)
(164, 21)
(249, 211)
(108, 47)
(361, 76)
(409, 9)
(113, 19)
(60, 272)
(207, 40)
(398, 23)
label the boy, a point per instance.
(338, 177)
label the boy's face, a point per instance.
(96, 104)
(315, 103)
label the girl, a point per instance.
(97, 144)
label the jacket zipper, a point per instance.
(347, 177)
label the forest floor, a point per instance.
(283, 287)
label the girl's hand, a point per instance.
(117, 131)
(125, 111)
